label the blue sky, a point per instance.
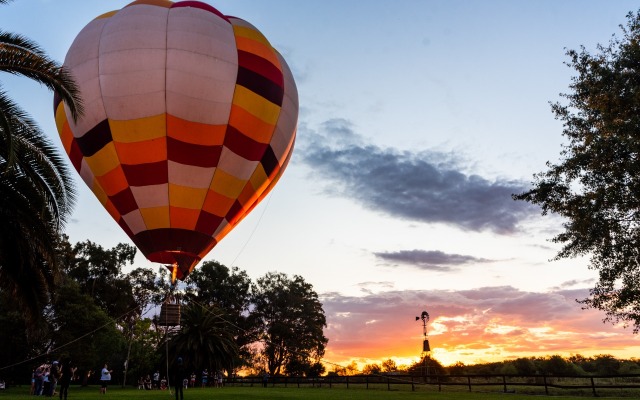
(418, 119)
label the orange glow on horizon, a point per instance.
(511, 324)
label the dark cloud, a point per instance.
(430, 260)
(425, 186)
(574, 282)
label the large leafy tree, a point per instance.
(213, 284)
(84, 332)
(292, 321)
(99, 272)
(595, 185)
(37, 189)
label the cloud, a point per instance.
(430, 260)
(370, 287)
(425, 186)
(573, 283)
(483, 324)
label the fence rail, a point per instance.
(504, 383)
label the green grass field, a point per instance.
(279, 393)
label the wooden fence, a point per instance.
(534, 384)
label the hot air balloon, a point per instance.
(190, 121)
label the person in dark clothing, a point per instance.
(66, 377)
(178, 375)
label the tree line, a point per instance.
(99, 313)
(554, 365)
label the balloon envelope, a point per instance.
(190, 119)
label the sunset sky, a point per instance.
(418, 120)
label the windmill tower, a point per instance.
(426, 349)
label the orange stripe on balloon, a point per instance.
(106, 15)
(60, 116)
(66, 136)
(195, 132)
(217, 204)
(104, 160)
(258, 178)
(257, 105)
(244, 29)
(148, 151)
(156, 217)
(252, 46)
(250, 125)
(248, 193)
(113, 181)
(186, 197)
(139, 129)
(183, 218)
(159, 3)
(99, 192)
(226, 184)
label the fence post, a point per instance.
(469, 382)
(439, 383)
(298, 379)
(388, 383)
(366, 379)
(546, 388)
(504, 382)
(593, 388)
(413, 387)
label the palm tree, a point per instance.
(205, 339)
(37, 193)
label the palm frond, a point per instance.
(30, 153)
(21, 56)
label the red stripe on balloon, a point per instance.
(208, 223)
(243, 145)
(193, 154)
(261, 66)
(147, 174)
(200, 5)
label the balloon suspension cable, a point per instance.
(169, 299)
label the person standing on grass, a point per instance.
(156, 380)
(65, 380)
(179, 375)
(205, 377)
(54, 375)
(105, 377)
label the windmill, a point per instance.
(426, 349)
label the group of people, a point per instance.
(147, 384)
(216, 379)
(45, 379)
(155, 382)
(180, 375)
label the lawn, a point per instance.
(278, 393)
